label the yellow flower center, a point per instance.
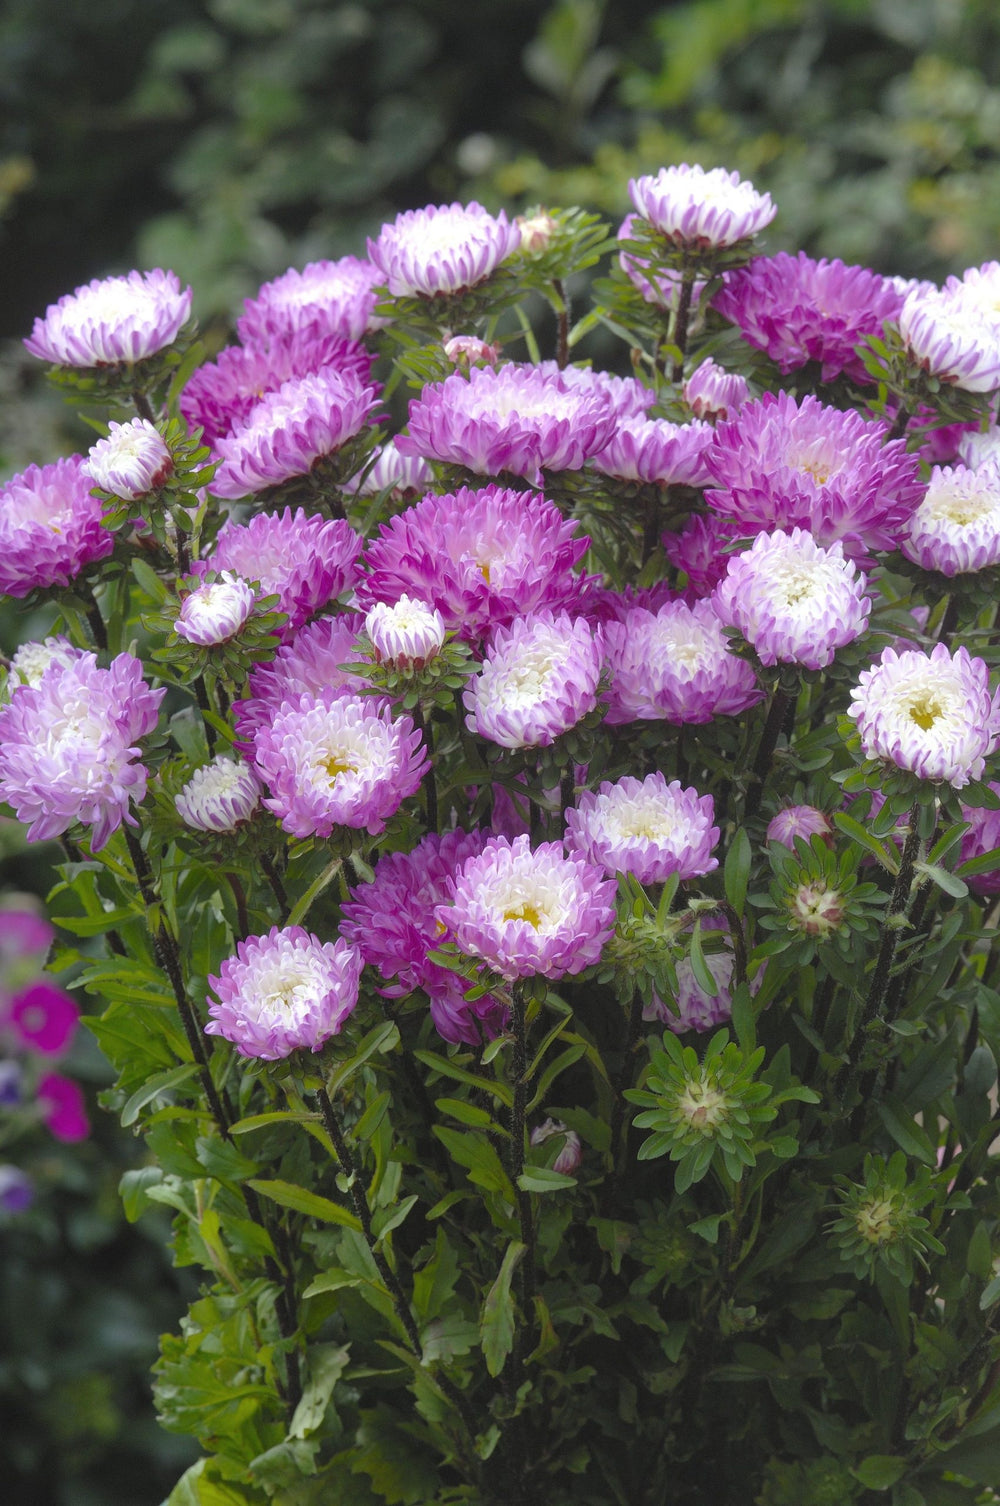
(526, 912)
(925, 712)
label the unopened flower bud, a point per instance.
(467, 350)
(405, 634)
(816, 910)
(536, 231)
(219, 797)
(215, 612)
(713, 392)
(131, 461)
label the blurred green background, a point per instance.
(230, 139)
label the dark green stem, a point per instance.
(143, 406)
(94, 618)
(424, 727)
(519, 1066)
(899, 423)
(681, 321)
(622, 1080)
(274, 879)
(949, 622)
(240, 896)
(765, 751)
(562, 330)
(201, 696)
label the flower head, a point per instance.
(218, 797)
(464, 351)
(570, 1154)
(61, 1105)
(658, 452)
(538, 680)
(215, 612)
(305, 561)
(441, 249)
(17, 1191)
(326, 298)
(132, 461)
(50, 527)
(695, 208)
(956, 528)
(112, 320)
(645, 827)
(283, 992)
(310, 662)
(527, 912)
(406, 633)
(797, 821)
(676, 665)
(42, 1017)
(712, 392)
(982, 837)
(931, 714)
(31, 660)
(701, 550)
(690, 1007)
(945, 332)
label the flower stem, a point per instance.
(765, 751)
(681, 321)
(562, 328)
(899, 423)
(622, 1079)
(517, 1117)
(274, 879)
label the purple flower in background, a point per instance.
(61, 1105)
(932, 714)
(797, 821)
(216, 611)
(112, 320)
(798, 310)
(305, 420)
(699, 209)
(526, 913)
(539, 678)
(42, 1017)
(336, 759)
(23, 933)
(17, 1191)
(511, 418)
(50, 527)
(31, 660)
(982, 837)
(956, 528)
(283, 992)
(693, 1008)
(782, 464)
(402, 475)
(68, 747)
(657, 452)
(220, 796)
(700, 549)
(407, 633)
(310, 663)
(660, 287)
(131, 461)
(628, 397)
(794, 601)
(946, 333)
(481, 558)
(304, 560)
(978, 449)
(675, 665)
(712, 392)
(570, 1154)
(326, 298)
(11, 1085)
(645, 827)
(441, 249)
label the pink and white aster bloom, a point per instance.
(512, 418)
(931, 714)
(629, 397)
(675, 665)
(220, 796)
(692, 1008)
(794, 601)
(337, 759)
(539, 678)
(798, 821)
(464, 351)
(306, 561)
(798, 310)
(31, 660)
(982, 837)
(481, 558)
(68, 747)
(283, 992)
(131, 461)
(977, 450)
(946, 333)
(215, 612)
(112, 320)
(956, 528)
(645, 827)
(309, 664)
(284, 434)
(441, 249)
(526, 913)
(407, 633)
(699, 209)
(325, 298)
(657, 452)
(981, 285)
(50, 527)
(701, 549)
(402, 475)
(782, 464)
(660, 287)
(712, 392)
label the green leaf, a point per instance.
(949, 882)
(327, 1363)
(703, 975)
(384, 1037)
(990, 1294)
(544, 1179)
(277, 1116)
(161, 1083)
(288, 1195)
(736, 874)
(394, 1216)
(448, 1068)
(907, 1134)
(133, 1189)
(857, 833)
(880, 1471)
(465, 1113)
(496, 1322)
(477, 1155)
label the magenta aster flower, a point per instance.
(23, 933)
(401, 475)
(61, 1104)
(284, 434)
(797, 821)
(481, 558)
(509, 418)
(712, 392)
(131, 461)
(794, 601)
(325, 298)
(655, 451)
(43, 1017)
(283, 992)
(310, 663)
(219, 797)
(67, 747)
(408, 633)
(675, 665)
(112, 320)
(50, 527)
(798, 310)
(645, 827)
(31, 660)
(956, 528)
(779, 464)
(661, 286)
(982, 837)
(946, 333)
(932, 714)
(336, 759)
(215, 612)
(304, 560)
(700, 549)
(527, 912)
(571, 1152)
(698, 209)
(538, 680)
(441, 249)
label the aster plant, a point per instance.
(530, 856)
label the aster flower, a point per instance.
(31, 660)
(400, 475)
(539, 679)
(117, 319)
(956, 528)
(657, 452)
(979, 449)
(794, 601)
(629, 397)
(782, 464)
(931, 714)
(219, 797)
(983, 836)
(305, 561)
(946, 334)
(283, 992)
(311, 662)
(481, 558)
(661, 286)
(131, 461)
(570, 1153)
(61, 1105)
(23, 933)
(325, 298)
(645, 827)
(701, 550)
(712, 392)
(336, 759)
(699, 209)
(467, 350)
(68, 747)
(42, 1017)
(441, 249)
(798, 310)
(509, 418)
(675, 665)
(691, 1008)
(797, 821)
(406, 633)
(305, 420)
(50, 527)
(213, 613)
(527, 913)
